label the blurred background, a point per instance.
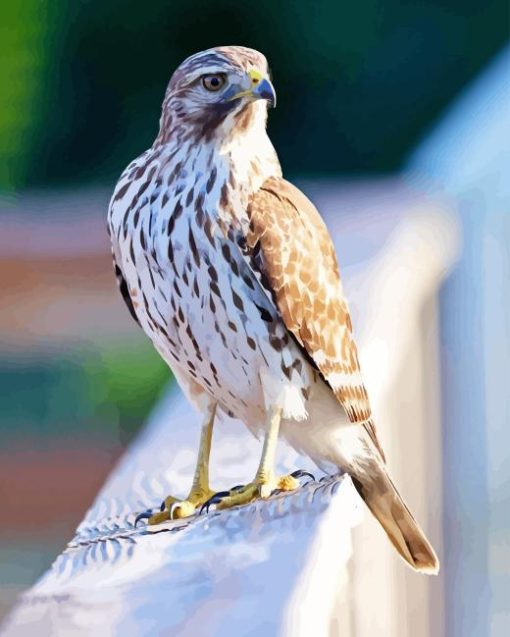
(366, 90)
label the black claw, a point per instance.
(276, 492)
(301, 472)
(220, 495)
(214, 499)
(238, 487)
(163, 506)
(143, 516)
(207, 504)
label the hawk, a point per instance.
(230, 271)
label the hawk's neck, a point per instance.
(226, 169)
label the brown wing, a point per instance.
(295, 254)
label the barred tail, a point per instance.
(384, 501)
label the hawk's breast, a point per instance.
(180, 235)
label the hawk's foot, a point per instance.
(175, 509)
(261, 487)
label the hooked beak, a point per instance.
(260, 88)
(265, 90)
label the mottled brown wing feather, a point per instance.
(297, 258)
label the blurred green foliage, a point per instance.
(127, 378)
(107, 389)
(22, 60)
(358, 82)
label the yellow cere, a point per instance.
(255, 76)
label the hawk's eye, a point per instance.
(213, 82)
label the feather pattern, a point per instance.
(290, 244)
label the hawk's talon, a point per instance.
(261, 488)
(143, 516)
(214, 499)
(240, 494)
(174, 509)
(299, 473)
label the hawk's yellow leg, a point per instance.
(200, 491)
(265, 481)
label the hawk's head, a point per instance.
(223, 88)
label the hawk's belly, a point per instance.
(210, 319)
